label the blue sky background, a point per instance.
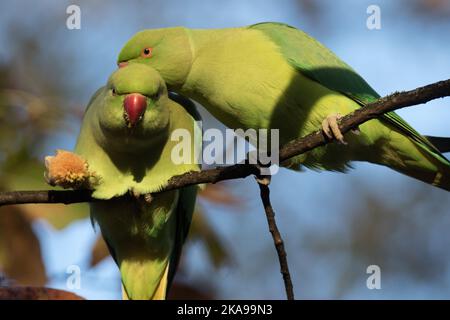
(409, 51)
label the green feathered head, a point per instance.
(167, 50)
(132, 114)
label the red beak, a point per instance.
(134, 105)
(122, 64)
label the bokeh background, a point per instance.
(334, 225)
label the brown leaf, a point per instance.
(20, 252)
(181, 291)
(99, 251)
(202, 230)
(219, 194)
(36, 293)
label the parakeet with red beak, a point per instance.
(125, 148)
(274, 76)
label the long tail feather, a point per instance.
(442, 143)
(407, 156)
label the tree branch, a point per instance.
(45, 196)
(276, 236)
(296, 147)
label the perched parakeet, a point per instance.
(274, 76)
(126, 142)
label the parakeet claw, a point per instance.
(148, 198)
(67, 170)
(356, 131)
(331, 128)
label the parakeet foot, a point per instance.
(68, 170)
(331, 128)
(143, 198)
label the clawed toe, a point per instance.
(331, 128)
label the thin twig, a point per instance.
(289, 150)
(276, 236)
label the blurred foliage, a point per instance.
(36, 293)
(180, 291)
(202, 231)
(20, 254)
(28, 119)
(430, 8)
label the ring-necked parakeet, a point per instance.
(271, 75)
(124, 147)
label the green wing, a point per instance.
(188, 195)
(184, 211)
(187, 104)
(318, 63)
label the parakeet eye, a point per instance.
(146, 52)
(113, 91)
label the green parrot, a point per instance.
(274, 76)
(125, 141)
